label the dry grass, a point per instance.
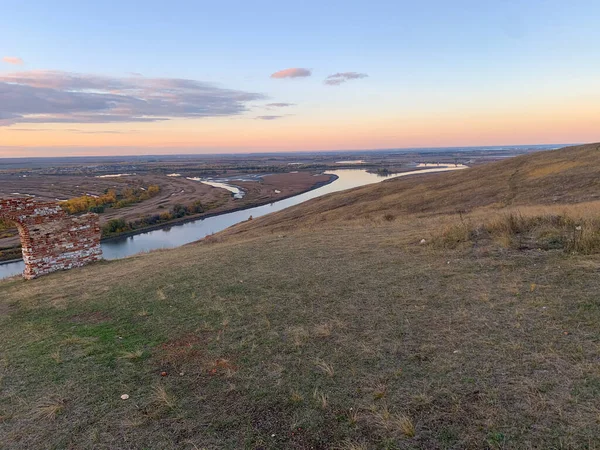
(296, 397)
(353, 416)
(552, 169)
(56, 356)
(351, 445)
(404, 425)
(134, 355)
(379, 391)
(321, 398)
(299, 336)
(398, 424)
(323, 330)
(162, 398)
(324, 367)
(49, 408)
(526, 228)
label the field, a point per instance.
(380, 318)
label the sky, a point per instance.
(156, 77)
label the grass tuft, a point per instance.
(351, 445)
(404, 425)
(323, 330)
(324, 367)
(353, 416)
(296, 397)
(49, 408)
(56, 356)
(161, 397)
(135, 355)
(321, 398)
(399, 424)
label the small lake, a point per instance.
(177, 235)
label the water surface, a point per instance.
(236, 191)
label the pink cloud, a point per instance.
(13, 60)
(295, 72)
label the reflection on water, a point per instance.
(178, 235)
(352, 161)
(236, 191)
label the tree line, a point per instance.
(118, 226)
(110, 199)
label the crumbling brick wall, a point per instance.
(52, 240)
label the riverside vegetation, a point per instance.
(455, 310)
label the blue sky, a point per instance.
(423, 59)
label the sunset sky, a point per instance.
(156, 77)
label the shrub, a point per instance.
(115, 226)
(179, 210)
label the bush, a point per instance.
(115, 226)
(97, 209)
(179, 211)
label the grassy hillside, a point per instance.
(564, 176)
(338, 333)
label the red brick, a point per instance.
(51, 240)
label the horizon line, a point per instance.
(390, 149)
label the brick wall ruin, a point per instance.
(51, 239)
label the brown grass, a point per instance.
(49, 408)
(398, 424)
(296, 397)
(162, 398)
(551, 169)
(324, 367)
(527, 229)
(133, 355)
(321, 398)
(350, 445)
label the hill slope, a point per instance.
(569, 175)
(352, 336)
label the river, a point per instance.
(177, 235)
